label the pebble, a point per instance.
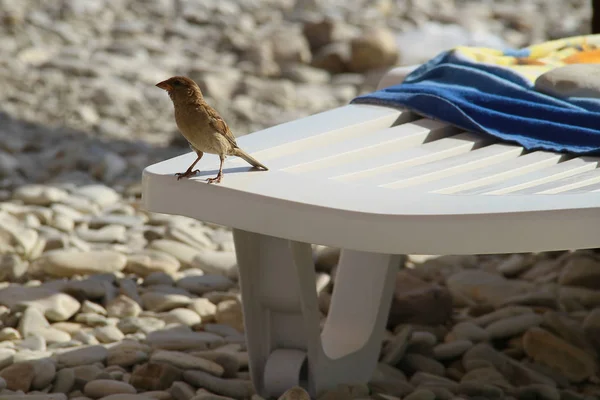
(55, 396)
(513, 325)
(230, 362)
(468, 331)
(295, 393)
(147, 262)
(91, 319)
(83, 356)
(542, 392)
(419, 302)
(129, 325)
(181, 339)
(90, 307)
(126, 356)
(9, 334)
(64, 381)
(413, 362)
(44, 373)
(55, 306)
(65, 263)
(182, 252)
(200, 284)
(87, 373)
(421, 394)
(122, 307)
(158, 302)
(229, 312)
(182, 316)
(105, 387)
(217, 263)
(474, 389)
(567, 328)
(422, 340)
(515, 264)
(191, 234)
(204, 308)
(501, 313)
(40, 195)
(518, 374)
(108, 334)
(106, 234)
(6, 357)
(154, 376)
(236, 388)
(34, 343)
(485, 287)
(32, 322)
(394, 351)
(18, 376)
(100, 194)
(186, 362)
(487, 375)
(546, 348)
(182, 391)
(451, 350)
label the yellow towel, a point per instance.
(530, 62)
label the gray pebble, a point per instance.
(450, 350)
(421, 394)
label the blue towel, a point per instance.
(495, 100)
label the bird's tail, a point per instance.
(251, 160)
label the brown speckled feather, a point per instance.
(219, 124)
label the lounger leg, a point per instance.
(281, 316)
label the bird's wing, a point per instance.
(219, 124)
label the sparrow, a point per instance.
(202, 126)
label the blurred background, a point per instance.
(91, 65)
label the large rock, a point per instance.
(575, 80)
(376, 48)
(548, 349)
(484, 287)
(18, 376)
(419, 302)
(581, 271)
(290, 45)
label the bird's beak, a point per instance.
(164, 85)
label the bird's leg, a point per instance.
(220, 174)
(189, 171)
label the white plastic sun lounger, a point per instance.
(375, 182)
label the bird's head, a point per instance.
(179, 87)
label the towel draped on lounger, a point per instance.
(493, 92)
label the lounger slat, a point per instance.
(493, 173)
(593, 188)
(479, 158)
(375, 169)
(369, 145)
(556, 172)
(321, 129)
(565, 184)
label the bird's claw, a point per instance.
(186, 174)
(216, 179)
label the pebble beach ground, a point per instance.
(102, 300)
